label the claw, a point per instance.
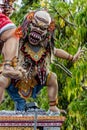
(12, 74)
(51, 113)
(57, 113)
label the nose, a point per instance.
(38, 28)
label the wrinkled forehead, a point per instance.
(42, 16)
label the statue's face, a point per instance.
(39, 27)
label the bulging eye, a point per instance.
(43, 28)
(34, 24)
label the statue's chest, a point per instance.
(35, 62)
(35, 56)
(35, 53)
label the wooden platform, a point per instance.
(28, 121)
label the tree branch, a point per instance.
(70, 14)
(63, 17)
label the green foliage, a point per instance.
(7, 104)
(1, 59)
(42, 99)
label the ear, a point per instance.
(30, 16)
(19, 32)
(51, 26)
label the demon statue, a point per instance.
(25, 73)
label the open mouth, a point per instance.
(34, 37)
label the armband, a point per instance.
(70, 57)
(12, 62)
(53, 103)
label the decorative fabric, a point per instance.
(5, 23)
(26, 87)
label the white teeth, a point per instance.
(35, 37)
(40, 38)
(31, 39)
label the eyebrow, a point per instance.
(41, 19)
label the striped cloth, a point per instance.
(5, 23)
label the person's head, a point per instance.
(38, 25)
(6, 7)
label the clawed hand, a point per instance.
(78, 55)
(13, 73)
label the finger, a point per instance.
(21, 69)
(80, 54)
(79, 49)
(82, 50)
(80, 57)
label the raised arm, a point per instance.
(62, 54)
(65, 55)
(10, 48)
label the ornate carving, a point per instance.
(36, 56)
(25, 87)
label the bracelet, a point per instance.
(70, 57)
(8, 62)
(53, 103)
(12, 62)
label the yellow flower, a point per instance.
(42, 3)
(62, 23)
